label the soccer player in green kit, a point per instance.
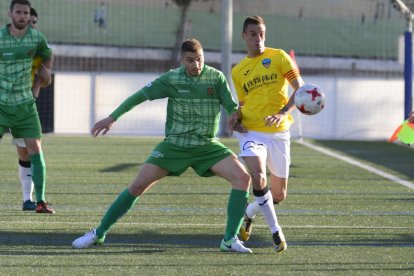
(41, 77)
(18, 45)
(195, 93)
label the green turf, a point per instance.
(337, 218)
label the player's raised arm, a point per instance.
(103, 125)
(277, 118)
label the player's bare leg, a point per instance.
(279, 188)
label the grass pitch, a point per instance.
(337, 218)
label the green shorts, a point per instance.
(178, 159)
(22, 120)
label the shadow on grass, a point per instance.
(388, 155)
(359, 240)
(153, 242)
(121, 167)
(147, 242)
(146, 237)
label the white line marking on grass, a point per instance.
(354, 162)
(205, 225)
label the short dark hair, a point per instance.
(191, 45)
(21, 2)
(252, 20)
(33, 12)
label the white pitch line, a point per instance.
(204, 225)
(354, 162)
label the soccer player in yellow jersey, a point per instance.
(261, 80)
(41, 77)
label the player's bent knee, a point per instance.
(241, 181)
(259, 181)
(263, 179)
(245, 179)
(279, 197)
(137, 189)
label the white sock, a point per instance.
(25, 175)
(252, 209)
(268, 210)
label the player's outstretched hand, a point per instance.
(235, 124)
(239, 128)
(275, 119)
(103, 126)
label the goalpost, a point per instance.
(408, 55)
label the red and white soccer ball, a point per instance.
(310, 99)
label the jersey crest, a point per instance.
(266, 62)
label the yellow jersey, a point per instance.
(37, 62)
(262, 86)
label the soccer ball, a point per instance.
(310, 99)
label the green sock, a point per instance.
(38, 175)
(235, 212)
(119, 207)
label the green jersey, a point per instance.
(16, 58)
(193, 110)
